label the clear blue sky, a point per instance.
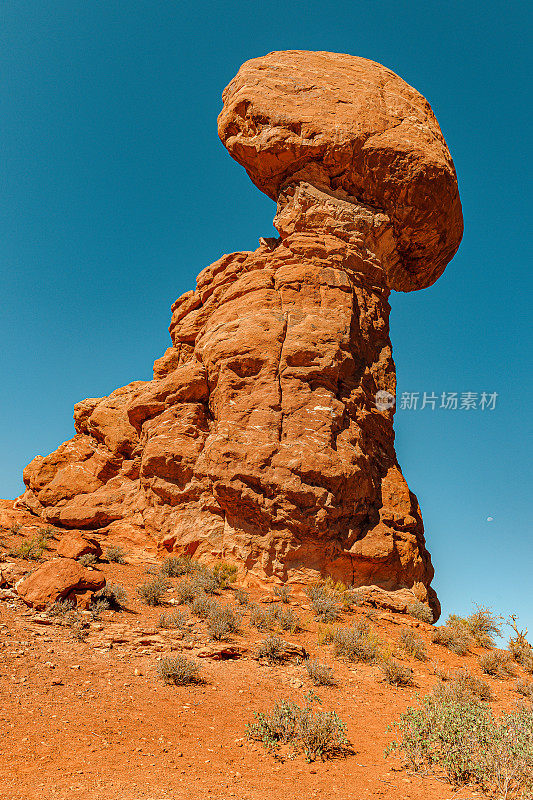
(116, 192)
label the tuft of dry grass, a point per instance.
(396, 674)
(420, 611)
(152, 591)
(413, 644)
(356, 643)
(178, 670)
(497, 664)
(321, 674)
(455, 637)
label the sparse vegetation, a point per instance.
(175, 619)
(455, 637)
(60, 608)
(324, 602)
(222, 622)
(521, 650)
(472, 746)
(112, 596)
(483, 625)
(178, 670)
(413, 644)
(420, 611)
(88, 560)
(319, 734)
(272, 649)
(224, 574)
(32, 549)
(525, 688)
(394, 673)
(283, 593)
(321, 674)
(274, 618)
(152, 591)
(356, 643)
(177, 566)
(461, 686)
(116, 555)
(242, 597)
(204, 580)
(497, 664)
(202, 605)
(186, 591)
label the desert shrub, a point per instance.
(224, 574)
(272, 649)
(326, 634)
(324, 602)
(455, 637)
(420, 611)
(222, 622)
(274, 618)
(482, 625)
(152, 591)
(521, 650)
(202, 605)
(242, 597)
(472, 746)
(283, 593)
(175, 619)
(88, 560)
(80, 630)
(60, 607)
(204, 580)
(394, 673)
(319, 734)
(32, 549)
(97, 608)
(461, 686)
(178, 670)
(116, 555)
(496, 663)
(177, 566)
(356, 643)
(186, 591)
(525, 688)
(413, 644)
(321, 674)
(113, 595)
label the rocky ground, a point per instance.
(85, 714)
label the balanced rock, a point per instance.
(75, 544)
(56, 580)
(266, 435)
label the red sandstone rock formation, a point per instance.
(259, 439)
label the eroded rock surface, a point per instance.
(259, 439)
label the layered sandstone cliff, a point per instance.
(259, 440)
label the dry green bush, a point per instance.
(222, 622)
(319, 734)
(356, 643)
(174, 619)
(272, 649)
(413, 644)
(455, 637)
(461, 685)
(283, 593)
(525, 688)
(224, 574)
(202, 605)
(242, 597)
(394, 673)
(324, 602)
(112, 595)
(321, 674)
(521, 650)
(464, 739)
(497, 663)
(178, 670)
(186, 591)
(87, 560)
(420, 611)
(274, 618)
(32, 549)
(177, 566)
(60, 608)
(116, 555)
(483, 625)
(152, 591)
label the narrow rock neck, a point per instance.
(325, 225)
